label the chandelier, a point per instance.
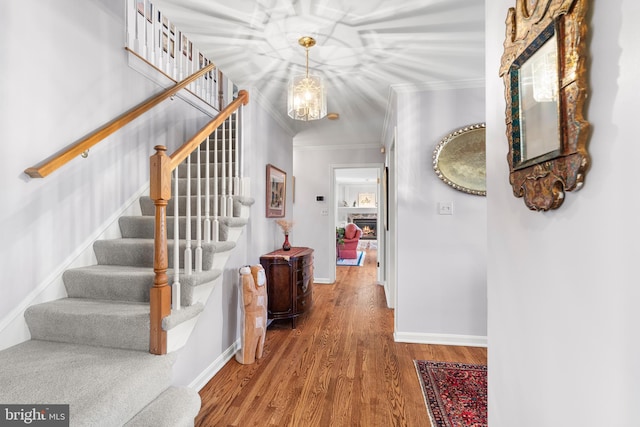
(307, 95)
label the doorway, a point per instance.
(357, 199)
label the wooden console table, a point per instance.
(289, 282)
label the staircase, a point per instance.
(91, 349)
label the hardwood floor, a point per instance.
(339, 367)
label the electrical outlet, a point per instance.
(445, 208)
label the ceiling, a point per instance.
(363, 49)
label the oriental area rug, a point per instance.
(455, 393)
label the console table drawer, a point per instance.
(289, 282)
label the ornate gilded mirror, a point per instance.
(544, 72)
(459, 159)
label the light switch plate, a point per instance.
(445, 208)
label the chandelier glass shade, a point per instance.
(307, 96)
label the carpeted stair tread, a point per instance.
(234, 222)
(179, 316)
(140, 253)
(175, 407)
(103, 386)
(144, 227)
(126, 283)
(92, 322)
(245, 200)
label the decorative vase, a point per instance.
(286, 245)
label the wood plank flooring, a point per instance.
(339, 367)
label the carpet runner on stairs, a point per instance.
(102, 386)
(90, 350)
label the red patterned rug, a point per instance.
(455, 393)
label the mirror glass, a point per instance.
(539, 102)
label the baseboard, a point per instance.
(215, 367)
(441, 339)
(13, 328)
(322, 281)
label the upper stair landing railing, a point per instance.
(162, 296)
(155, 38)
(76, 149)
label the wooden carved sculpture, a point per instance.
(254, 302)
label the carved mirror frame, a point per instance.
(545, 52)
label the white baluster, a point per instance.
(198, 253)
(167, 58)
(207, 195)
(137, 44)
(209, 84)
(179, 56)
(216, 212)
(131, 24)
(187, 226)
(194, 87)
(142, 30)
(223, 174)
(236, 152)
(153, 42)
(157, 21)
(175, 287)
(245, 187)
(230, 173)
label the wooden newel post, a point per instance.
(160, 293)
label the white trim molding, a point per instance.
(211, 370)
(275, 114)
(441, 339)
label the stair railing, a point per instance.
(76, 149)
(162, 296)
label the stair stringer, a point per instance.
(13, 328)
(179, 331)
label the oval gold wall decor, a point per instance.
(460, 159)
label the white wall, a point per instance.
(562, 286)
(312, 169)
(441, 290)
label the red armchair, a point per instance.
(349, 249)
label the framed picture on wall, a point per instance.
(366, 200)
(276, 192)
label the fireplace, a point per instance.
(368, 226)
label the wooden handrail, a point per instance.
(161, 167)
(61, 158)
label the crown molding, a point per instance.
(366, 146)
(275, 114)
(423, 87)
(437, 85)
